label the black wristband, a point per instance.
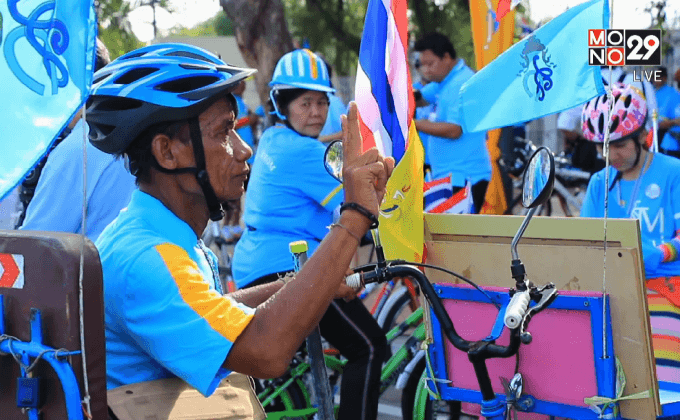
(354, 206)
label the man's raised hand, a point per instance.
(364, 174)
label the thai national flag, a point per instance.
(436, 192)
(384, 97)
(383, 84)
(439, 197)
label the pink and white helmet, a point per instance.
(628, 115)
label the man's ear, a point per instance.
(165, 151)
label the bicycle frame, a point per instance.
(391, 370)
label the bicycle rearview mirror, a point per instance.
(332, 159)
(539, 178)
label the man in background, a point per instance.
(668, 99)
(463, 156)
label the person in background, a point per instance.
(644, 186)
(246, 126)
(57, 203)
(583, 154)
(9, 209)
(669, 115)
(332, 130)
(291, 197)
(464, 156)
(426, 98)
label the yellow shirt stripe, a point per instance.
(332, 194)
(222, 313)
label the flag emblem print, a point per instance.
(47, 55)
(537, 69)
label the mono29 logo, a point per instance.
(620, 47)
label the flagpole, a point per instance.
(606, 195)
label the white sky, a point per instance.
(628, 14)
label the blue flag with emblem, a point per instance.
(543, 74)
(47, 51)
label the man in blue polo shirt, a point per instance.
(668, 99)
(166, 316)
(462, 155)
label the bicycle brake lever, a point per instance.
(547, 294)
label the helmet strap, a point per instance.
(214, 205)
(276, 111)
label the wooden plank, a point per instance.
(568, 252)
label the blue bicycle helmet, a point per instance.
(299, 69)
(157, 84)
(151, 85)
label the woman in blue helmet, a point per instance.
(291, 197)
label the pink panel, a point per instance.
(557, 366)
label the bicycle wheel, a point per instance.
(429, 409)
(400, 300)
(294, 397)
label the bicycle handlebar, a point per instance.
(517, 316)
(517, 308)
(489, 350)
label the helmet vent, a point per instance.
(133, 55)
(118, 104)
(615, 123)
(134, 75)
(590, 126)
(100, 78)
(101, 131)
(187, 84)
(188, 55)
(600, 123)
(627, 101)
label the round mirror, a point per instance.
(332, 159)
(539, 177)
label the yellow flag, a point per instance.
(490, 39)
(401, 214)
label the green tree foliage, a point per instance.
(657, 11)
(223, 25)
(114, 28)
(334, 27)
(218, 25)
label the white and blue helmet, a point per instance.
(299, 69)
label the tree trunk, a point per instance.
(262, 36)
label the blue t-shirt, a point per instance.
(164, 313)
(290, 198)
(246, 133)
(467, 156)
(669, 107)
(423, 113)
(335, 109)
(58, 200)
(657, 205)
